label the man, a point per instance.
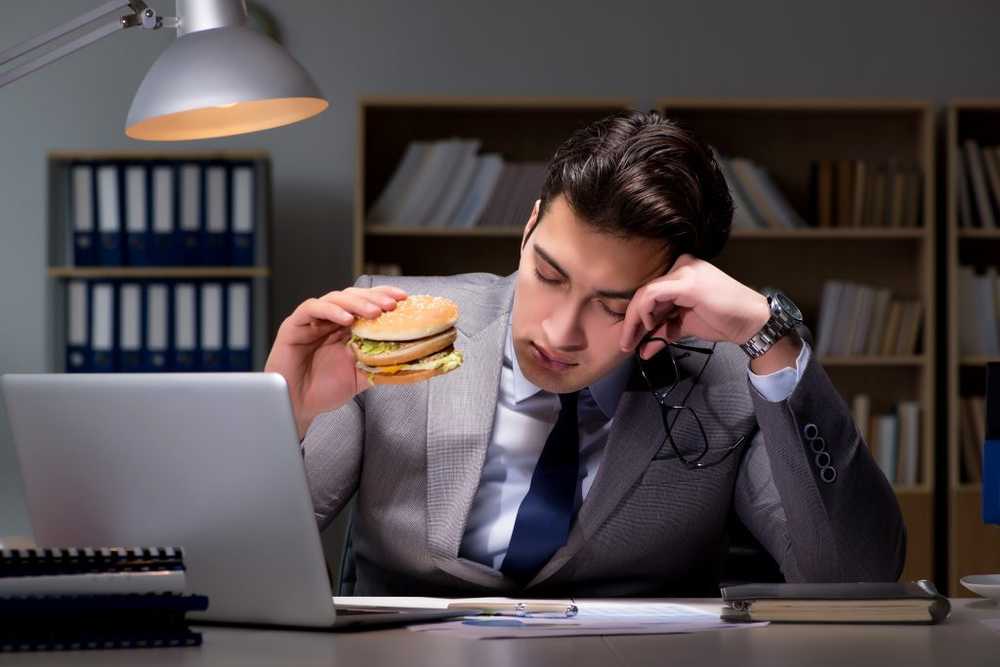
(546, 465)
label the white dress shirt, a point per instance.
(524, 418)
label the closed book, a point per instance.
(991, 445)
(165, 238)
(860, 191)
(138, 245)
(828, 307)
(109, 216)
(77, 327)
(880, 314)
(191, 224)
(861, 408)
(243, 237)
(845, 193)
(88, 560)
(822, 189)
(908, 465)
(215, 248)
(971, 462)
(744, 214)
(385, 209)
(977, 178)
(130, 327)
(866, 602)
(156, 314)
(82, 213)
(488, 168)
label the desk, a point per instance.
(961, 640)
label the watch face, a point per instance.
(788, 306)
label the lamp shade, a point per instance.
(220, 82)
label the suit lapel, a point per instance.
(460, 413)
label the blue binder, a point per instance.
(109, 214)
(991, 448)
(239, 329)
(138, 246)
(164, 202)
(103, 327)
(192, 209)
(185, 323)
(156, 321)
(77, 327)
(130, 343)
(243, 189)
(211, 322)
(215, 251)
(82, 212)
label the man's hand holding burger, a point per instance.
(310, 350)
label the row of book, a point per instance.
(162, 213)
(972, 437)
(71, 599)
(382, 269)
(893, 438)
(866, 193)
(865, 320)
(158, 325)
(447, 183)
(978, 183)
(978, 311)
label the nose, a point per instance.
(562, 328)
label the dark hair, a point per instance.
(635, 174)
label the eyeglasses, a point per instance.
(667, 408)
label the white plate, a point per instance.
(986, 585)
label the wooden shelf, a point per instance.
(876, 360)
(812, 234)
(978, 360)
(979, 234)
(140, 272)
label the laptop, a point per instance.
(206, 461)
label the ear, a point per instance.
(532, 222)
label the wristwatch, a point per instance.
(785, 316)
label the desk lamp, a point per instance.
(219, 77)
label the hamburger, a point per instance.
(412, 343)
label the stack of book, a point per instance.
(978, 311)
(63, 599)
(860, 320)
(162, 212)
(158, 325)
(972, 431)
(893, 438)
(758, 203)
(866, 193)
(978, 174)
(448, 184)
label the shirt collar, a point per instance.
(606, 391)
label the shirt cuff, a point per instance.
(780, 384)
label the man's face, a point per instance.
(573, 287)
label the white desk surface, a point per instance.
(961, 640)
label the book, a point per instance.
(845, 193)
(744, 214)
(908, 465)
(867, 602)
(971, 461)
(861, 407)
(977, 177)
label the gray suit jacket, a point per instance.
(649, 525)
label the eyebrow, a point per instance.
(610, 294)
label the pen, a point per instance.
(520, 608)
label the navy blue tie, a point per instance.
(544, 518)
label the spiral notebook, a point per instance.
(90, 571)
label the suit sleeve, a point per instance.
(332, 451)
(810, 491)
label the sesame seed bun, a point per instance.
(415, 317)
(407, 377)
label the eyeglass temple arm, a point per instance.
(142, 16)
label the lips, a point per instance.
(550, 360)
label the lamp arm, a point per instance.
(143, 16)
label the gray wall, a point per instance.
(638, 50)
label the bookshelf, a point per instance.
(786, 137)
(974, 548)
(60, 255)
(519, 129)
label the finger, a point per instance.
(394, 292)
(651, 349)
(380, 298)
(324, 311)
(359, 305)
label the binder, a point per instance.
(77, 333)
(211, 322)
(88, 560)
(244, 213)
(185, 349)
(991, 447)
(165, 245)
(156, 330)
(102, 326)
(130, 327)
(239, 345)
(109, 215)
(138, 250)
(83, 201)
(191, 209)
(217, 227)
